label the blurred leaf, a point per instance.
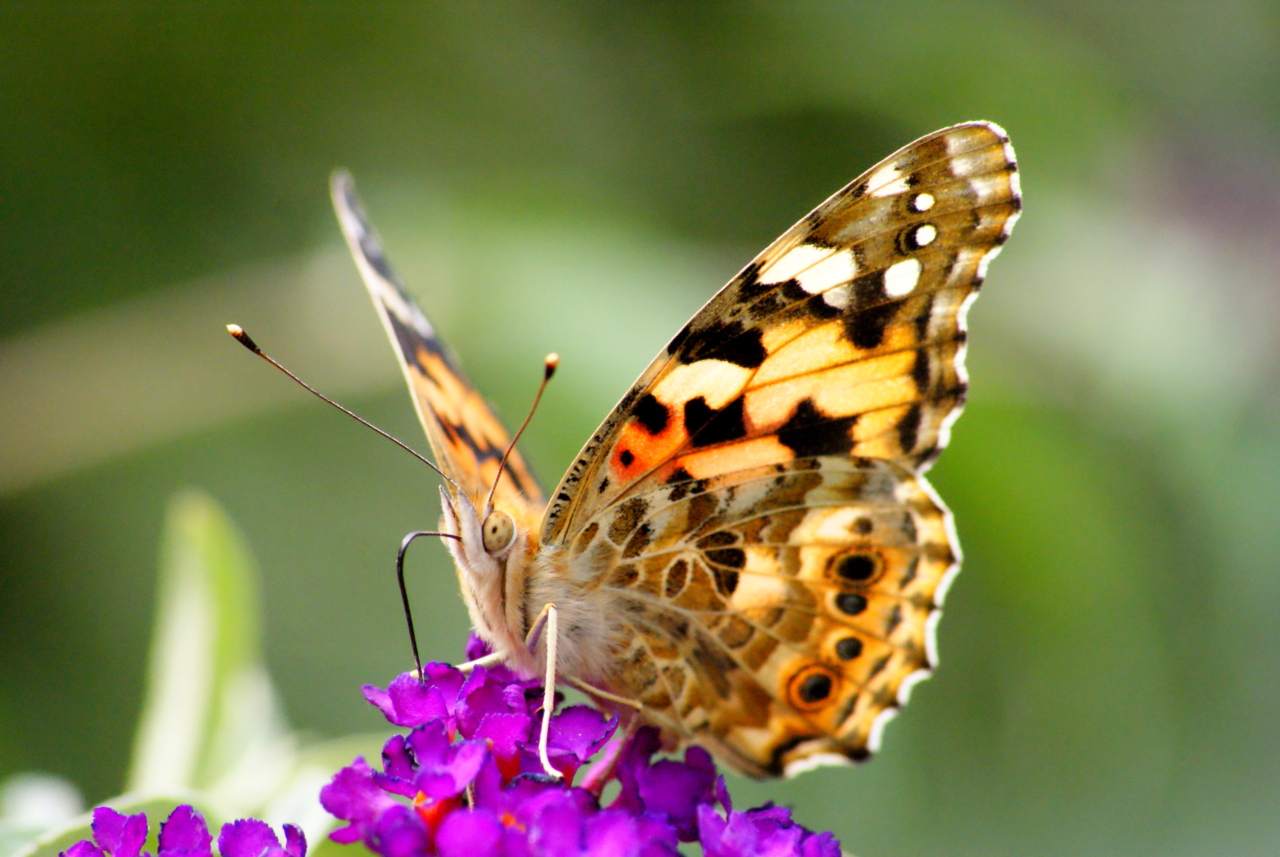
(211, 733)
(208, 692)
(210, 714)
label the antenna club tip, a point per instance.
(552, 361)
(243, 338)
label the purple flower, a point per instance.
(764, 832)
(252, 838)
(185, 834)
(666, 787)
(466, 780)
(114, 834)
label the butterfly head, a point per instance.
(491, 555)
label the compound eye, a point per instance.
(499, 531)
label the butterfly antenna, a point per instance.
(243, 338)
(549, 369)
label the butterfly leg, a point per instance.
(547, 619)
(592, 690)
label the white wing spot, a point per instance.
(922, 202)
(835, 270)
(717, 381)
(815, 268)
(887, 181)
(789, 265)
(901, 279)
(838, 298)
(925, 234)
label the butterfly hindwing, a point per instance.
(777, 611)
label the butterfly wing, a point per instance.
(774, 453)
(467, 439)
(774, 614)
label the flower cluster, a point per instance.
(466, 780)
(185, 834)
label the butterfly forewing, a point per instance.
(845, 336)
(467, 439)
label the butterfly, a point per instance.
(746, 553)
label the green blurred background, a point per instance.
(580, 178)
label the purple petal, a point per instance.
(119, 835)
(557, 830)
(677, 788)
(657, 836)
(765, 839)
(767, 831)
(711, 824)
(769, 813)
(821, 845)
(516, 694)
(398, 764)
(295, 841)
(506, 732)
(476, 681)
(353, 796)
(722, 794)
(83, 848)
(185, 833)
(398, 833)
(612, 832)
(247, 837)
(468, 757)
(347, 835)
(632, 763)
(410, 702)
(429, 745)
(618, 834)
(581, 730)
(478, 648)
(468, 833)
(546, 807)
(482, 697)
(451, 776)
(379, 699)
(488, 792)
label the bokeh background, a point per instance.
(580, 178)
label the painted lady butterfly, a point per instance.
(746, 551)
